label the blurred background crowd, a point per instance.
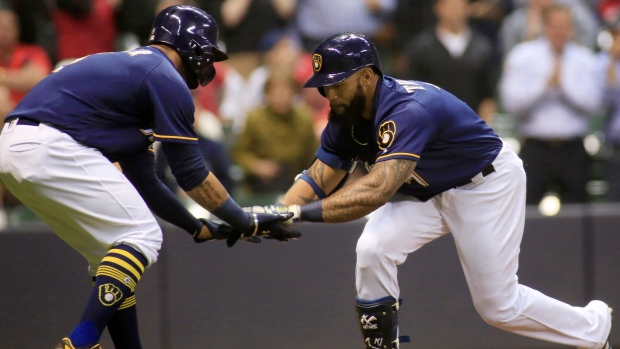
(544, 74)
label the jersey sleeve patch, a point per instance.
(387, 132)
(404, 134)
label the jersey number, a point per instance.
(411, 86)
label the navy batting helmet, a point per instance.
(193, 33)
(338, 57)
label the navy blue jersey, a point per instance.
(118, 102)
(420, 122)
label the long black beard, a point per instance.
(352, 113)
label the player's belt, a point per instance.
(487, 171)
(28, 122)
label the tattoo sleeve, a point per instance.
(369, 192)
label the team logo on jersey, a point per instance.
(387, 132)
(317, 62)
(109, 294)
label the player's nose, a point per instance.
(330, 93)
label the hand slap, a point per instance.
(266, 225)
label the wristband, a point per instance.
(313, 212)
(231, 213)
(255, 224)
(317, 190)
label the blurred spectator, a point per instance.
(526, 23)
(244, 25)
(486, 17)
(22, 66)
(453, 56)
(551, 87)
(609, 11)
(85, 27)
(133, 20)
(210, 96)
(280, 51)
(278, 141)
(411, 18)
(609, 69)
(36, 18)
(316, 20)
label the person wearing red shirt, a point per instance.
(21, 66)
(76, 27)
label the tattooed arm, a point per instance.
(326, 177)
(210, 194)
(362, 196)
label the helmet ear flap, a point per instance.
(200, 60)
(198, 50)
(207, 76)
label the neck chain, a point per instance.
(353, 136)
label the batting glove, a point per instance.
(278, 209)
(221, 232)
(266, 225)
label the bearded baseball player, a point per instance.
(58, 147)
(434, 167)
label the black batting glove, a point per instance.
(266, 225)
(220, 232)
(281, 232)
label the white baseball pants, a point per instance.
(486, 219)
(74, 189)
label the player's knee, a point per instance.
(495, 312)
(369, 251)
(148, 244)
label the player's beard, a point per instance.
(352, 112)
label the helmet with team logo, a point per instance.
(194, 34)
(339, 56)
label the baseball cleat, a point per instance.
(66, 344)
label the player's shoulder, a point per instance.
(157, 68)
(408, 97)
(145, 58)
(413, 92)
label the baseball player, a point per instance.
(434, 167)
(58, 146)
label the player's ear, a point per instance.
(367, 76)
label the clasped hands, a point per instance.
(270, 222)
